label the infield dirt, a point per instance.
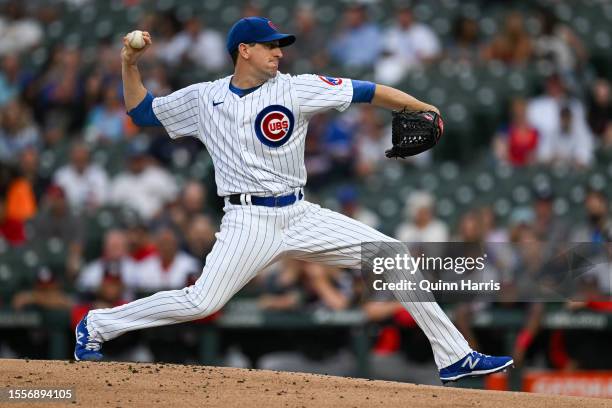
(170, 385)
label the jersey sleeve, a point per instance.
(317, 93)
(179, 111)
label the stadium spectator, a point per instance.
(18, 31)
(500, 255)
(310, 287)
(465, 46)
(423, 226)
(47, 293)
(145, 187)
(60, 90)
(548, 228)
(513, 45)
(316, 158)
(493, 233)
(85, 183)
(13, 79)
(561, 124)
(200, 45)
(157, 80)
(107, 122)
(54, 136)
(348, 198)
(371, 141)
(359, 42)
(311, 56)
(520, 219)
(108, 67)
(407, 44)
(572, 144)
(598, 224)
(517, 142)
(534, 268)
(29, 168)
(190, 204)
(140, 243)
(336, 148)
(251, 9)
(55, 220)
(559, 44)
(169, 268)
(94, 86)
(199, 238)
(17, 131)
(600, 111)
(115, 261)
(165, 27)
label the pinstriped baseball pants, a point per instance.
(250, 239)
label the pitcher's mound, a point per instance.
(170, 385)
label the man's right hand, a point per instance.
(129, 55)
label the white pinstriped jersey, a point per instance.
(256, 141)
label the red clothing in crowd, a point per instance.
(522, 144)
(13, 231)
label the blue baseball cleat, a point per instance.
(474, 365)
(86, 348)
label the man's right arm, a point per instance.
(138, 101)
(133, 89)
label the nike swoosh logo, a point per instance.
(217, 103)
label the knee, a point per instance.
(204, 304)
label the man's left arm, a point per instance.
(394, 99)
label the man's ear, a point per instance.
(243, 49)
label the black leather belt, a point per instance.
(279, 201)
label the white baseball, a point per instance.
(136, 40)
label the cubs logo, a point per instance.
(272, 25)
(274, 125)
(330, 80)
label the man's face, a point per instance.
(80, 158)
(265, 57)
(354, 17)
(110, 290)
(115, 245)
(167, 244)
(595, 205)
(405, 18)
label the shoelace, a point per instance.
(92, 345)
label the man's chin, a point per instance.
(272, 73)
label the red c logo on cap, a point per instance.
(271, 24)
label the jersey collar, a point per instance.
(242, 92)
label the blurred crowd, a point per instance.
(56, 118)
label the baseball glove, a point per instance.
(413, 132)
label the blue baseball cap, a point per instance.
(256, 30)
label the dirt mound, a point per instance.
(152, 385)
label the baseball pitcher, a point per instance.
(254, 123)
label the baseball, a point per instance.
(136, 40)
